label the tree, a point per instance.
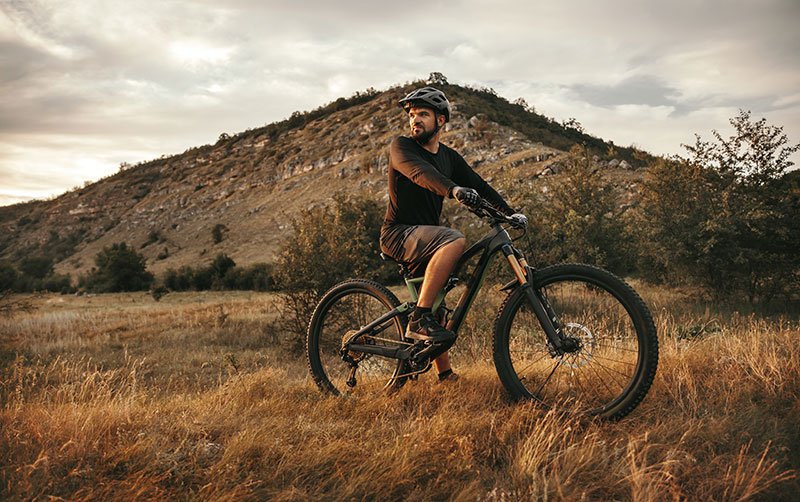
(726, 214)
(118, 268)
(524, 104)
(437, 78)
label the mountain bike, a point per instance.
(571, 336)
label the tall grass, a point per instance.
(199, 397)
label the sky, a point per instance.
(86, 85)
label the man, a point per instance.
(422, 172)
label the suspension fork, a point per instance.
(538, 301)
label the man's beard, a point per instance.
(424, 137)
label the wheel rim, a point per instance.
(598, 375)
(345, 314)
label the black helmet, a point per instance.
(429, 98)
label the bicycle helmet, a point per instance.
(428, 97)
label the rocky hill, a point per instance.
(239, 195)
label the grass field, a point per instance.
(201, 396)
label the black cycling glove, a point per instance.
(464, 195)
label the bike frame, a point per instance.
(496, 241)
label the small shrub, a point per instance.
(119, 268)
(218, 232)
(159, 292)
(178, 280)
(152, 238)
(8, 276)
(37, 267)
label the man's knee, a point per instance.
(454, 247)
(458, 244)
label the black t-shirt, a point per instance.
(419, 180)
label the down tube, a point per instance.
(474, 285)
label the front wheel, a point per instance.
(611, 330)
(342, 311)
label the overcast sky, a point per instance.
(88, 84)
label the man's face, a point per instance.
(423, 123)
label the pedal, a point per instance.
(351, 381)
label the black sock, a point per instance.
(446, 373)
(418, 311)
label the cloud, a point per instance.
(118, 81)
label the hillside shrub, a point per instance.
(8, 276)
(581, 218)
(218, 232)
(330, 244)
(219, 268)
(37, 267)
(256, 277)
(118, 268)
(725, 217)
(178, 280)
(222, 273)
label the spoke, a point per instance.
(594, 370)
(601, 343)
(547, 379)
(607, 358)
(525, 369)
(594, 389)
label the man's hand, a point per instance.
(467, 196)
(520, 220)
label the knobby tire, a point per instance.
(616, 364)
(343, 309)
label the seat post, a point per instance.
(403, 266)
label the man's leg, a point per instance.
(436, 274)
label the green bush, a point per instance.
(329, 245)
(222, 273)
(159, 292)
(333, 243)
(179, 280)
(58, 283)
(257, 277)
(118, 268)
(580, 219)
(726, 216)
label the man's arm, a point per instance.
(407, 160)
(463, 175)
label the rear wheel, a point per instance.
(342, 311)
(614, 344)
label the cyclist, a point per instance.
(422, 172)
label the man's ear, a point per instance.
(441, 122)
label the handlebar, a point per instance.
(485, 210)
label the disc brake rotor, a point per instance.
(583, 355)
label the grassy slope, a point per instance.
(116, 397)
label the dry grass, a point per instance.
(198, 397)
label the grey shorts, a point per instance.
(416, 244)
